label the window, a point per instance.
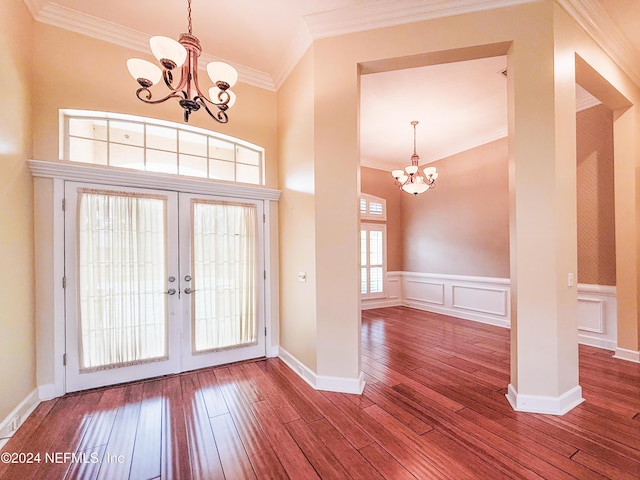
(158, 146)
(373, 246)
(372, 259)
(373, 208)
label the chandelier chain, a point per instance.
(189, 15)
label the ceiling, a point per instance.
(458, 105)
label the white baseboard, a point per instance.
(628, 355)
(369, 304)
(543, 403)
(597, 342)
(458, 314)
(48, 391)
(18, 415)
(322, 382)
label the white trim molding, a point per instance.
(17, 416)
(322, 382)
(628, 355)
(482, 299)
(80, 172)
(545, 404)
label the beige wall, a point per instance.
(380, 183)
(17, 330)
(462, 226)
(297, 214)
(596, 213)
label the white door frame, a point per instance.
(50, 319)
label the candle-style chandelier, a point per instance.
(184, 53)
(410, 180)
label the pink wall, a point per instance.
(462, 226)
(596, 213)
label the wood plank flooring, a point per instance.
(434, 407)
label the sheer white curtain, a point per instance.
(122, 271)
(224, 263)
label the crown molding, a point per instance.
(35, 6)
(597, 23)
(379, 164)
(94, 27)
(297, 48)
(388, 13)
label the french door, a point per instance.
(159, 282)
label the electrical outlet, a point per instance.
(15, 423)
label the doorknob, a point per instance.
(171, 291)
(188, 290)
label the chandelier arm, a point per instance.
(221, 94)
(200, 95)
(148, 96)
(220, 116)
(167, 75)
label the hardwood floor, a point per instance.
(434, 407)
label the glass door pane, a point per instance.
(122, 271)
(120, 249)
(222, 275)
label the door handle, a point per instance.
(188, 290)
(171, 291)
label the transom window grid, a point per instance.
(145, 144)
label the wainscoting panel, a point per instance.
(480, 299)
(597, 316)
(424, 291)
(487, 300)
(590, 315)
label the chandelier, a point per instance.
(410, 180)
(184, 54)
